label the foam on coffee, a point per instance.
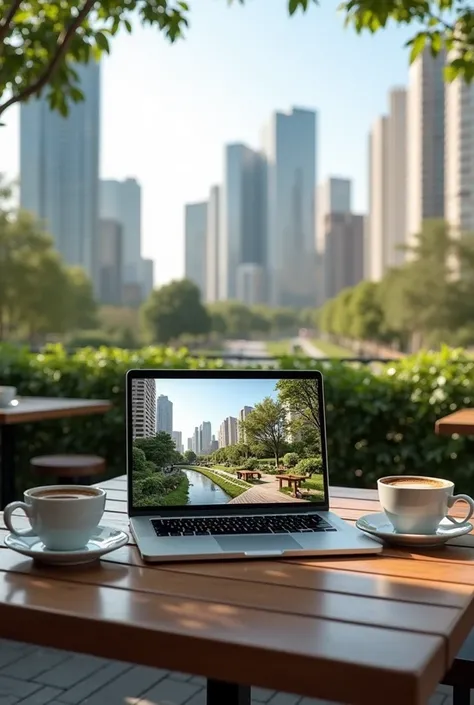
(413, 483)
(66, 494)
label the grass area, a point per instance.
(279, 348)
(233, 488)
(331, 349)
(177, 496)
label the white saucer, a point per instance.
(104, 540)
(378, 525)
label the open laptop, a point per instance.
(193, 436)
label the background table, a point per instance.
(461, 422)
(28, 410)
(360, 630)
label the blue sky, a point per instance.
(198, 400)
(168, 110)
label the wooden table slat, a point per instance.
(461, 422)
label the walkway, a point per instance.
(308, 348)
(264, 493)
(33, 676)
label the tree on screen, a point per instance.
(159, 449)
(266, 426)
(41, 41)
(190, 456)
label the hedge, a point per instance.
(380, 418)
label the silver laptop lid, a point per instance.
(220, 440)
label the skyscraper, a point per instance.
(206, 436)
(121, 201)
(376, 244)
(59, 168)
(334, 196)
(396, 178)
(243, 413)
(147, 277)
(110, 262)
(195, 248)
(144, 408)
(344, 253)
(164, 414)
(177, 437)
(197, 440)
(228, 432)
(290, 148)
(459, 157)
(243, 232)
(425, 147)
(212, 245)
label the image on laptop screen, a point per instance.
(221, 441)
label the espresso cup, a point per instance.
(7, 395)
(416, 505)
(63, 517)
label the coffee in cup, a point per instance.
(64, 517)
(416, 505)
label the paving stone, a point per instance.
(13, 651)
(437, 699)
(34, 663)
(74, 670)
(134, 683)
(8, 700)
(198, 699)
(42, 696)
(199, 680)
(98, 680)
(176, 676)
(262, 695)
(284, 699)
(176, 692)
(12, 687)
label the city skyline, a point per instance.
(189, 164)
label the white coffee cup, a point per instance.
(7, 395)
(416, 505)
(64, 517)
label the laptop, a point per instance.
(227, 464)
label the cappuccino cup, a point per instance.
(7, 395)
(63, 517)
(416, 505)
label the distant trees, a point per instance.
(175, 310)
(426, 301)
(267, 426)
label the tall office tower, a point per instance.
(190, 444)
(196, 441)
(378, 196)
(110, 262)
(195, 248)
(177, 437)
(228, 432)
(425, 144)
(122, 201)
(243, 219)
(164, 414)
(59, 171)
(243, 413)
(290, 148)
(206, 437)
(334, 196)
(459, 157)
(212, 245)
(396, 179)
(147, 277)
(344, 254)
(144, 408)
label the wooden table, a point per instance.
(295, 480)
(33, 409)
(350, 629)
(461, 422)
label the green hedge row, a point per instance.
(380, 418)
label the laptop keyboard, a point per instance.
(221, 526)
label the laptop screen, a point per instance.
(219, 440)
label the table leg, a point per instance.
(220, 693)
(7, 465)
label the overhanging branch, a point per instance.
(63, 43)
(5, 22)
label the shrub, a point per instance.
(309, 466)
(380, 418)
(251, 464)
(290, 460)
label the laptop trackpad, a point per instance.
(257, 544)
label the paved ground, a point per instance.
(308, 348)
(34, 676)
(266, 492)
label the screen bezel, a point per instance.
(225, 509)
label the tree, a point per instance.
(365, 312)
(267, 426)
(290, 460)
(138, 459)
(301, 398)
(43, 41)
(190, 456)
(440, 25)
(159, 449)
(175, 310)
